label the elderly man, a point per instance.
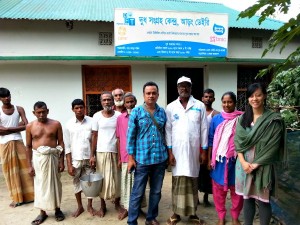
(186, 131)
(147, 154)
(126, 178)
(104, 149)
(118, 95)
(13, 152)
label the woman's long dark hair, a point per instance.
(247, 117)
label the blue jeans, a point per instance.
(156, 174)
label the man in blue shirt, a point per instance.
(147, 154)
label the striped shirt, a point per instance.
(144, 140)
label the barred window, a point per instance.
(257, 42)
(105, 38)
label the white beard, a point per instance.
(107, 108)
(119, 103)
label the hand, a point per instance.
(119, 164)
(203, 158)
(71, 170)
(208, 164)
(131, 164)
(93, 162)
(61, 166)
(254, 166)
(172, 160)
(31, 171)
(21, 123)
(247, 167)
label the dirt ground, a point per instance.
(26, 213)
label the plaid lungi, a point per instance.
(16, 171)
(184, 195)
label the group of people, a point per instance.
(132, 146)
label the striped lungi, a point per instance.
(107, 166)
(184, 195)
(126, 187)
(16, 171)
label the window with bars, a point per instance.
(105, 38)
(257, 42)
(246, 76)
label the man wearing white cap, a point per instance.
(186, 133)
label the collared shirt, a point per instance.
(144, 140)
(121, 132)
(106, 127)
(186, 131)
(77, 138)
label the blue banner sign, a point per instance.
(170, 33)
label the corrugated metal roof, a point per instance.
(103, 10)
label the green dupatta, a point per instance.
(268, 136)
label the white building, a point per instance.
(56, 51)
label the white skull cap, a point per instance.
(184, 79)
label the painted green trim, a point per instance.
(115, 58)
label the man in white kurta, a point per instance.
(186, 134)
(104, 153)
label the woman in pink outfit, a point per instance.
(221, 145)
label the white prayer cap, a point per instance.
(184, 79)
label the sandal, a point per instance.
(173, 220)
(59, 216)
(39, 219)
(196, 220)
(14, 204)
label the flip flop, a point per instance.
(173, 220)
(59, 216)
(14, 204)
(39, 219)
(196, 220)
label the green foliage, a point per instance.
(280, 38)
(284, 90)
(284, 95)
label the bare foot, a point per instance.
(236, 222)
(101, 212)
(91, 210)
(221, 222)
(78, 212)
(123, 213)
(14, 204)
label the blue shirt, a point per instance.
(217, 174)
(216, 120)
(144, 140)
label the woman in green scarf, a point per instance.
(259, 141)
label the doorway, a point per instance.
(97, 79)
(196, 75)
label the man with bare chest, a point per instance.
(45, 154)
(13, 151)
